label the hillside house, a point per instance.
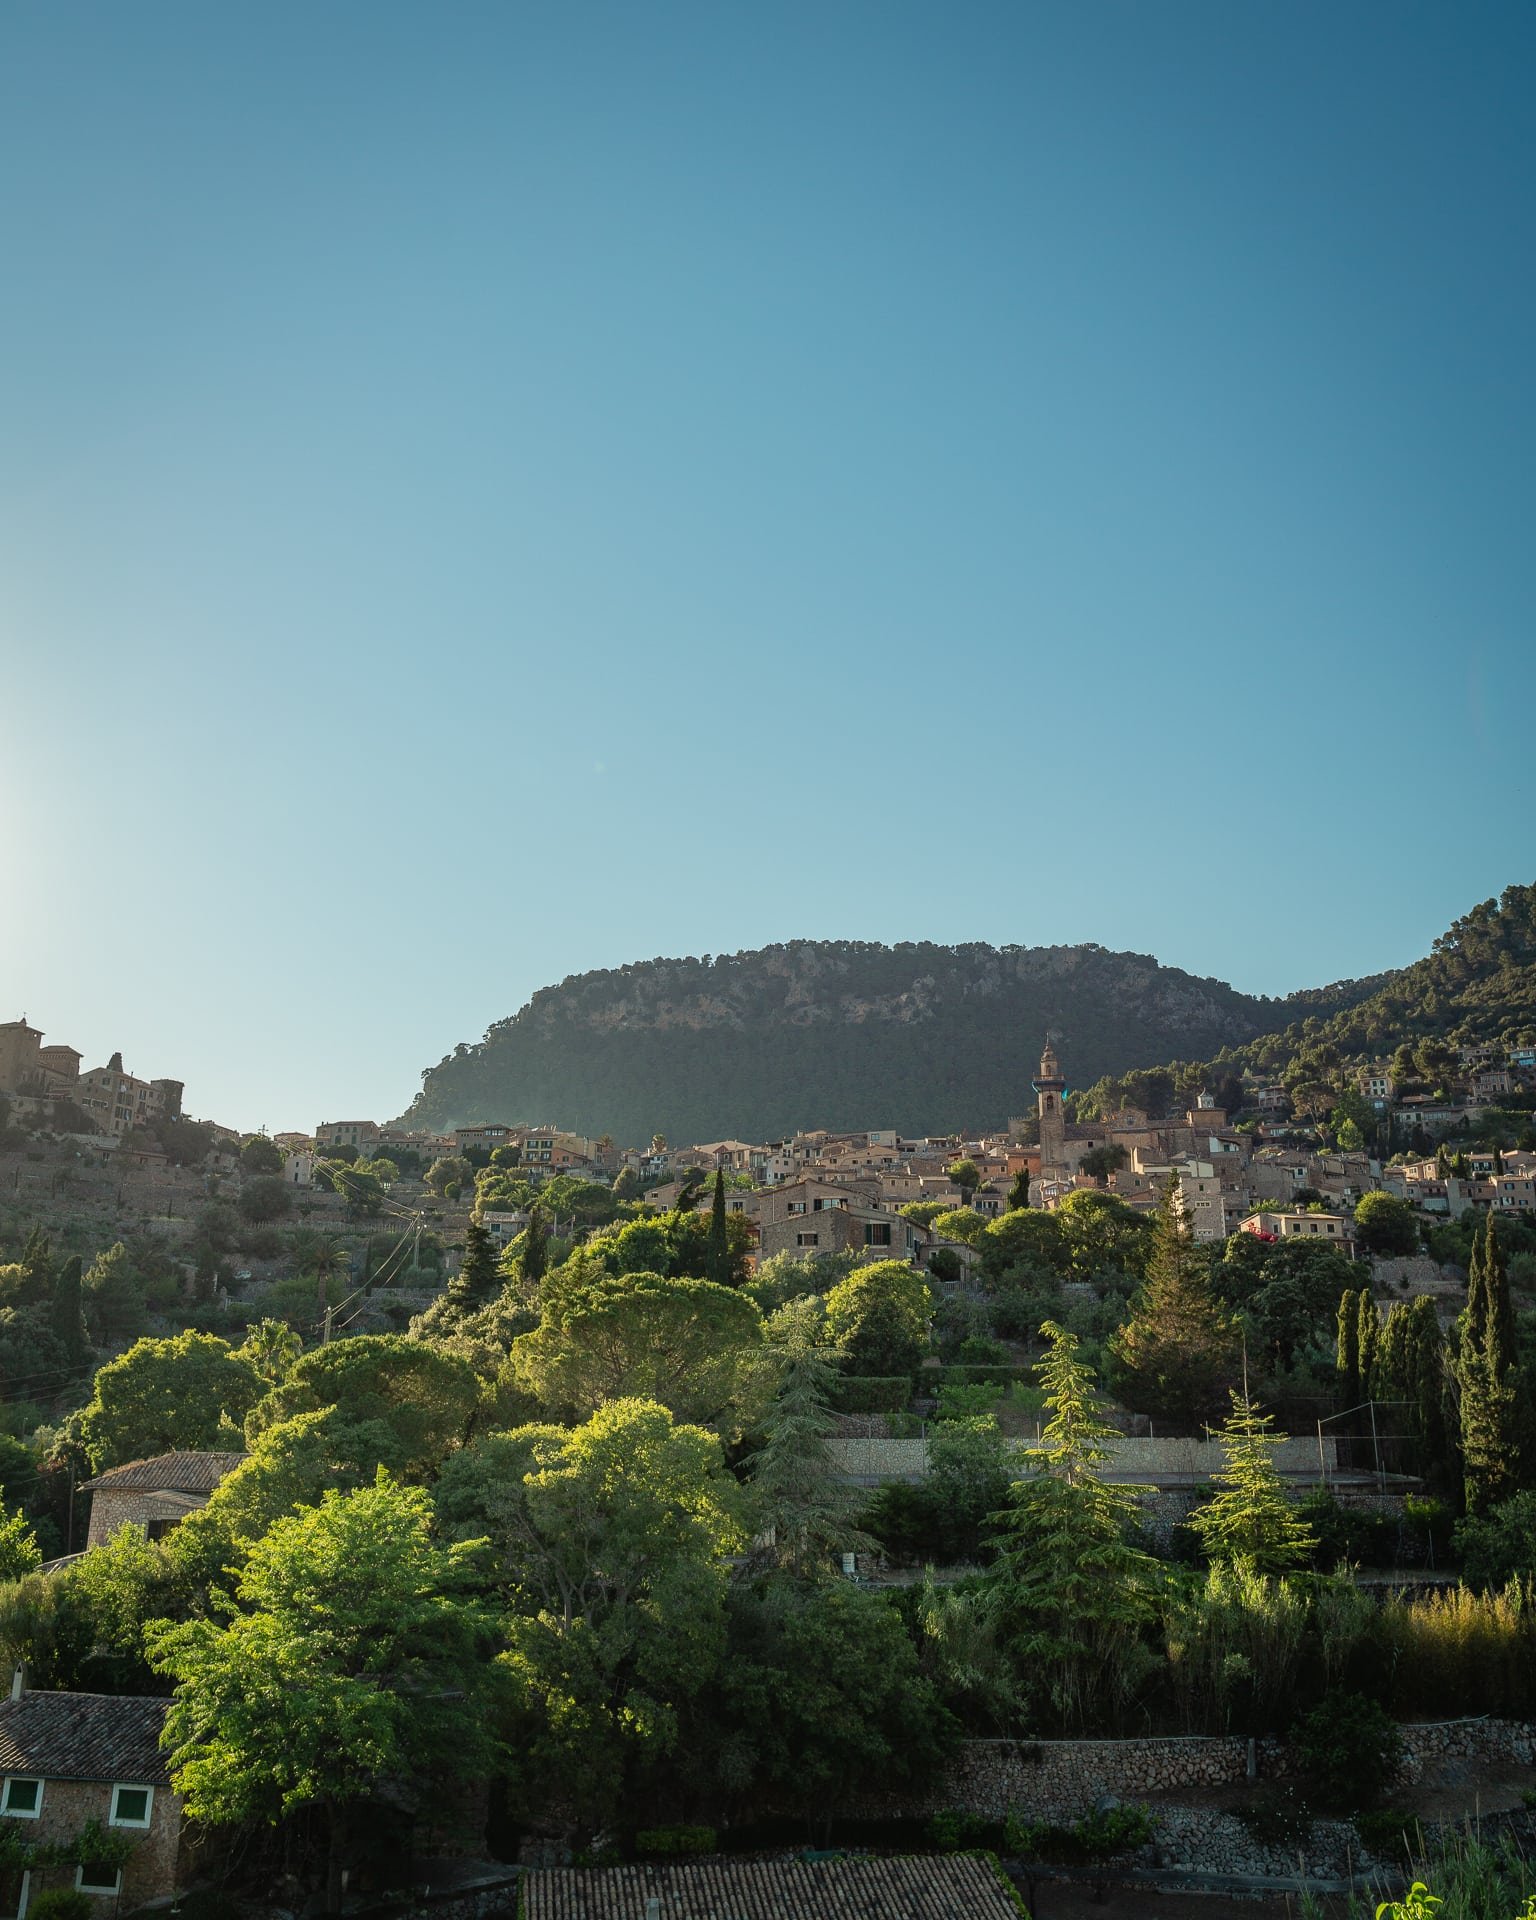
(154, 1494)
(69, 1759)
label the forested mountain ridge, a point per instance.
(811, 1033)
(1476, 986)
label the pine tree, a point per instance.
(1251, 1519)
(1068, 1592)
(66, 1311)
(717, 1249)
(1177, 1352)
(805, 1510)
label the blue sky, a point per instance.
(494, 490)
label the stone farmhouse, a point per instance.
(70, 1759)
(154, 1494)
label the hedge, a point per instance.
(872, 1393)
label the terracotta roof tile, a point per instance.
(937, 1887)
(169, 1473)
(84, 1736)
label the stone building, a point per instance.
(68, 1760)
(115, 1101)
(30, 1070)
(154, 1494)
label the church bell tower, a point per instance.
(1050, 1086)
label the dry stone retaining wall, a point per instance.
(1060, 1780)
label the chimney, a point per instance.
(19, 1680)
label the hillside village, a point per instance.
(990, 1459)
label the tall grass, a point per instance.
(1455, 1652)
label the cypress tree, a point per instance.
(1346, 1358)
(1491, 1420)
(66, 1312)
(1018, 1193)
(535, 1246)
(717, 1249)
(1370, 1340)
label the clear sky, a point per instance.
(493, 490)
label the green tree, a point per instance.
(452, 1170)
(1250, 1518)
(426, 1399)
(1101, 1235)
(1018, 1193)
(612, 1544)
(1489, 1380)
(187, 1392)
(355, 1659)
(273, 1349)
(1070, 1594)
(534, 1252)
(1346, 1363)
(66, 1311)
(260, 1156)
(803, 1510)
(113, 1296)
(966, 1175)
(19, 1553)
(821, 1688)
(265, 1198)
(1177, 1352)
(1385, 1225)
(878, 1318)
(479, 1275)
(717, 1265)
(687, 1344)
(626, 1184)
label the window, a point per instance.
(95, 1876)
(13, 1892)
(876, 1234)
(131, 1806)
(807, 1239)
(24, 1798)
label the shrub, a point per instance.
(952, 1830)
(658, 1843)
(1388, 1832)
(60, 1903)
(872, 1393)
(1349, 1749)
(1095, 1837)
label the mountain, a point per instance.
(1477, 985)
(832, 1033)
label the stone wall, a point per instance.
(151, 1870)
(1133, 1458)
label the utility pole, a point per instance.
(325, 1331)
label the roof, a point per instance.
(925, 1887)
(84, 1736)
(169, 1473)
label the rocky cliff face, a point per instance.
(921, 1037)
